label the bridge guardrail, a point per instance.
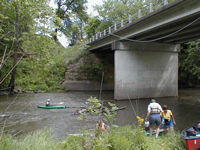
(147, 9)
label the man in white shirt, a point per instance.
(48, 102)
(153, 114)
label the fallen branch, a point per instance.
(4, 89)
(80, 111)
(121, 108)
(27, 53)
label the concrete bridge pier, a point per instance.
(145, 70)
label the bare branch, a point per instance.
(2, 61)
(11, 70)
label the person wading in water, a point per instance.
(153, 114)
(168, 119)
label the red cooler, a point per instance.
(193, 144)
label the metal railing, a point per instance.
(147, 9)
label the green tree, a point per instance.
(189, 64)
(75, 31)
(96, 107)
(113, 11)
(19, 20)
(45, 69)
(71, 12)
(92, 24)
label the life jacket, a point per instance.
(154, 109)
(47, 103)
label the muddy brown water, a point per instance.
(21, 115)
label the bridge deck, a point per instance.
(176, 22)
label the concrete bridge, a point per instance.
(146, 50)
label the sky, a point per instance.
(62, 39)
(90, 5)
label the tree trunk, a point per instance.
(15, 57)
(59, 4)
(55, 35)
(12, 81)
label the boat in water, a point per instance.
(53, 107)
(192, 136)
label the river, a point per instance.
(20, 115)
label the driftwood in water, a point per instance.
(120, 108)
(83, 110)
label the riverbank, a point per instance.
(117, 138)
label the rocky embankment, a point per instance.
(87, 72)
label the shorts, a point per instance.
(168, 124)
(155, 119)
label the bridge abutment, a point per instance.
(144, 70)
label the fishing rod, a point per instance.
(132, 106)
(101, 85)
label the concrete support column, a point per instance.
(145, 70)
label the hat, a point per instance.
(153, 100)
(48, 99)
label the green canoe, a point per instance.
(53, 107)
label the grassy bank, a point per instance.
(121, 138)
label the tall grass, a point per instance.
(116, 138)
(39, 140)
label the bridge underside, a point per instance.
(175, 23)
(143, 71)
(144, 68)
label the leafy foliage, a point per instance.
(113, 11)
(44, 70)
(20, 19)
(189, 62)
(73, 16)
(117, 138)
(43, 65)
(91, 28)
(96, 107)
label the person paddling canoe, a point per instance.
(48, 102)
